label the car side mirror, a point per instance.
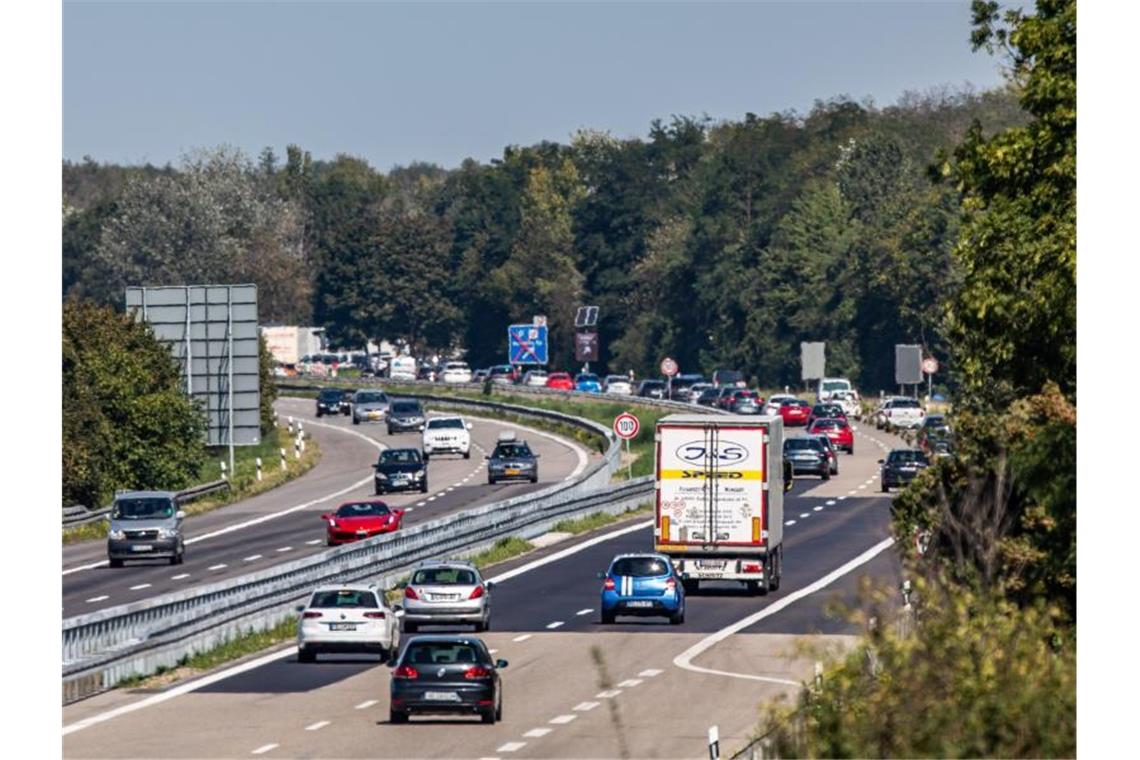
(487, 456)
(180, 515)
(488, 585)
(470, 426)
(880, 461)
(325, 517)
(299, 608)
(501, 663)
(600, 575)
(537, 456)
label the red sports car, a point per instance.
(794, 411)
(356, 520)
(560, 380)
(837, 430)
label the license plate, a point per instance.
(142, 548)
(710, 564)
(639, 604)
(441, 696)
(373, 415)
(511, 472)
(342, 626)
(444, 597)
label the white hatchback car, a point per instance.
(618, 384)
(456, 372)
(447, 435)
(772, 406)
(348, 618)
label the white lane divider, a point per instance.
(314, 542)
(431, 498)
(841, 498)
(789, 522)
(804, 515)
(586, 611)
(537, 733)
(862, 486)
(629, 683)
(511, 747)
(420, 503)
(140, 587)
(608, 694)
(317, 726)
(252, 558)
(218, 567)
(94, 599)
(366, 704)
(263, 749)
(554, 625)
(831, 502)
(285, 549)
(562, 720)
(524, 637)
(585, 706)
(179, 577)
(685, 659)
(650, 673)
(817, 509)
(492, 651)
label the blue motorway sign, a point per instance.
(527, 344)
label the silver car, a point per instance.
(145, 525)
(369, 406)
(447, 592)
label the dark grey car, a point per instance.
(405, 414)
(145, 525)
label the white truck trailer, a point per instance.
(720, 498)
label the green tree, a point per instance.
(126, 422)
(266, 385)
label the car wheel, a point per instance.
(778, 569)
(534, 479)
(426, 457)
(304, 655)
(385, 655)
(176, 559)
(488, 717)
(423, 487)
(389, 430)
(345, 413)
(499, 710)
(319, 414)
(479, 627)
(394, 716)
(607, 618)
(377, 491)
(355, 421)
(490, 481)
(467, 454)
(114, 562)
(851, 450)
(886, 488)
(826, 474)
(677, 618)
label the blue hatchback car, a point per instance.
(588, 382)
(642, 584)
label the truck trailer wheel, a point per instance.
(778, 563)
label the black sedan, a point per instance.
(902, 466)
(808, 455)
(401, 470)
(651, 389)
(512, 460)
(446, 675)
(332, 401)
(404, 415)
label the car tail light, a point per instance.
(477, 671)
(311, 615)
(478, 592)
(410, 593)
(670, 583)
(609, 584)
(405, 671)
(751, 568)
(375, 615)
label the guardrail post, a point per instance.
(290, 426)
(283, 465)
(258, 461)
(301, 434)
(297, 447)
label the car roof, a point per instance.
(347, 587)
(626, 555)
(446, 638)
(447, 563)
(146, 495)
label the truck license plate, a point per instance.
(710, 564)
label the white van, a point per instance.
(403, 368)
(831, 385)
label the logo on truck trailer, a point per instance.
(698, 452)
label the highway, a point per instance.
(283, 524)
(574, 688)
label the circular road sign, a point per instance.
(930, 365)
(626, 426)
(669, 366)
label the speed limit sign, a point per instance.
(626, 426)
(930, 365)
(669, 366)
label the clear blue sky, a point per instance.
(395, 83)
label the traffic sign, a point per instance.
(626, 426)
(586, 346)
(930, 365)
(539, 320)
(527, 344)
(669, 366)
(586, 316)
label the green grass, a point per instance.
(599, 520)
(243, 484)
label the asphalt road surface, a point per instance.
(574, 688)
(284, 524)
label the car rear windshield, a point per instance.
(400, 456)
(640, 567)
(142, 509)
(904, 403)
(441, 653)
(344, 599)
(801, 444)
(513, 450)
(616, 379)
(371, 398)
(405, 407)
(331, 394)
(362, 509)
(587, 378)
(654, 383)
(454, 422)
(898, 457)
(444, 576)
(829, 425)
(728, 375)
(836, 385)
(793, 402)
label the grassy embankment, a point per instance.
(243, 482)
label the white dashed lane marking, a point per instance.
(555, 624)
(817, 509)
(650, 673)
(431, 498)
(610, 694)
(831, 502)
(366, 704)
(586, 611)
(179, 577)
(94, 599)
(805, 515)
(862, 486)
(317, 726)
(585, 706)
(562, 720)
(524, 637)
(266, 748)
(537, 733)
(790, 522)
(140, 587)
(314, 542)
(492, 651)
(629, 683)
(285, 549)
(217, 567)
(420, 503)
(511, 747)
(252, 557)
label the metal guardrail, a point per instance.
(102, 648)
(81, 515)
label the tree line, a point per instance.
(723, 244)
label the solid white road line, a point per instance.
(266, 748)
(317, 726)
(650, 672)
(251, 558)
(524, 637)
(562, 720)
(609, 694)
(431, 498)
(94, 599)
(841, 498)
(140, 587)
(179, 577)
(554, 625)
(685, 659)
(217, 567)
(537, 733)
(567, 552)
(586, 611)
(366, 704)
(511, 747)
(629, 683)
(585, 706)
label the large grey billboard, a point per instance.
(212, 332)
(812, 360)
(908, 365)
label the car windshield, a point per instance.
(512, 450)
(362, 509)
(639, 567)
(370, 397)
(441, 653)
(451, 422)
(801, 444)
(444, 576)
(558, 376)
(344, 599)
(907, 457)
(400, 456)
(142, 509)
(405, 407)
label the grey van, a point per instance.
(145, 525)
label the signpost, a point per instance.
(527, 344)
(626, 427)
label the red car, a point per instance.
(357, 520)
(560, 380)
(837, 430)
(794, 411)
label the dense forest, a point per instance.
(720, 243)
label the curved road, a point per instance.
(283, 524)
(574, 688)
